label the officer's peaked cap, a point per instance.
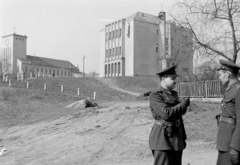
(228, 65)
(169, 71)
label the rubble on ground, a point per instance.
(84, 103)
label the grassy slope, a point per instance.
(86, 85)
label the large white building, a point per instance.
(14, 60)
(135, 46)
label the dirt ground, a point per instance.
(115, 133)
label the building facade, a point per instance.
(135, 46)
(14, 60)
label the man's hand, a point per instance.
(234, 156)
(186, 101)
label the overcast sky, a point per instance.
(69, 29)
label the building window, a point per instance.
(113, 52)
(112, 34)
(166, 42)
(65, 73)
(128, 34)
(120, 48)
(42, 70)
(61, 72)
(57, 72)
(109, 37)
(26, 68)
(157, 32)
(156, 49)
(46, 70)
(68, 73)
(109, 52)
(49, 71)
(106, 37)
(116, 50)
(105, 70)
(37, 70)
(106, 53)
(120, 32)
(119, 67)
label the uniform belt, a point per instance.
(167, 123)
(227, 120)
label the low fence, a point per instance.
(201, 89)
(207, 89)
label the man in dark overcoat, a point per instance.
(167, 137)
(228, 136)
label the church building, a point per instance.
(15, 61)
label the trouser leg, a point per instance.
(167, 157)
(223, 158)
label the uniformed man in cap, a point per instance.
(228, 136)
(167, 138)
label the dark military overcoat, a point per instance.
(161, 103)
(228, 135)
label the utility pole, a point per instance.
(83, 65)
(162, 18)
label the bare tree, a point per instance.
(5, 62)
(215, 25)
(206, 70)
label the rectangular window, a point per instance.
(109, 37)
(157, 32)
(112, 34)
(116, 34)
(65, 73)
(37, 70)
(120, 49)
(106, 53)
(68, 73)
(156, 49)
(49, 71)
(166, 42)
(113, 52)
(46, 70)
(26, 68)
(61, 72)
(128, 34)
(120, 31)
(116, 50)
(109, 53)
(42, 70)
(106, 36)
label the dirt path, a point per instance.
(113, 86)
(116, 134)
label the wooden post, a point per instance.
(45, 86)
(27, 85)
(78, 92)
(94, 95)
(206, 92)
(61, 88)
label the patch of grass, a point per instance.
(6, 94)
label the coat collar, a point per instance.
(236, 84)
(160, 88)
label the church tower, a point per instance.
(14, 47)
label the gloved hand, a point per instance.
(186, 101)
(234, 156)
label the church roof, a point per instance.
(49, 62)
